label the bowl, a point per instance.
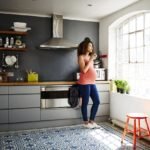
(20, 24)
(21, 29)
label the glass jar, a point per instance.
(18, 41)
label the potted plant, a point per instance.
(127, 89)
(121, 85)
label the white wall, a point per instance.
(107, 21)
(122, 104)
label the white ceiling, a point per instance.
(71, 9)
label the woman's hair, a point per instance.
(82, 47)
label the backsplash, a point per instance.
(51, 65)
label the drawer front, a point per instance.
(103, 110)
(24, 101)
(60, 113)
(24, 115)
(104, 98)
(103, 87)
(3, 89)
(3, 101)
(3, 116)
(24, 89)
(69, 113)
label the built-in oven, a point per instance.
(54, 96)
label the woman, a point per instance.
(86, 82)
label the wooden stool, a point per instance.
(136, 116)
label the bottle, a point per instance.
(12, 41)
(7, 42)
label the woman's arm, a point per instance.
(85, 67)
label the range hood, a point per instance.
(57, 41)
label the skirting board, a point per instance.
(122, 125)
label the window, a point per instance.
(133, 53)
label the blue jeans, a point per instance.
(87, 91)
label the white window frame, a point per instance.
(135, 71)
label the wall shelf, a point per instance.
(12, 49)
(12, 34)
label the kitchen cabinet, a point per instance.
(3, 104)
(3, 116)
(21, 107)
(57, 113)
(24, 103)
(24, 115)
(13, 34)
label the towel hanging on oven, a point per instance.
(74, 97)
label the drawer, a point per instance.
(3, 101)
(103, 110)
(3, 116)
(3, 89)
(60, 113)
(103, 87)
(24, 115)
(24, 101)
(104, 98)
(24, 89)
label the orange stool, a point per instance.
(138, 117)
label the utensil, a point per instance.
(17, 65)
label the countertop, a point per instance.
(44, 83)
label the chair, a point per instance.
(137, 117)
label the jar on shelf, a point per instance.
(18, 41)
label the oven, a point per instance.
(55, 96)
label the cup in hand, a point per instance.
(94, 56)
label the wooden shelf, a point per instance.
(12, 49)
(13, 32)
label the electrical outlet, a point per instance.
(10, 74)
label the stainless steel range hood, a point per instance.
(57, 41)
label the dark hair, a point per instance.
(82, 47)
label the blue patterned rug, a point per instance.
(69, 138)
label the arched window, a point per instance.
(132, 60)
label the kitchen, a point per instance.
(51, 65)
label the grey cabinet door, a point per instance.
(24, 89)
(103, 110)
(104, 98)
(24, 101)
(3, 89)
(3, 116)
(103, 87)
(3, 101)
(24, 115)
(60, 113)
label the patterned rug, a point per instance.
(106, 137)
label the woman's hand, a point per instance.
(93, 56)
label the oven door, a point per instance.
(54, 97)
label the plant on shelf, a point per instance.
(122, 86)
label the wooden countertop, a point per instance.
(44, 83)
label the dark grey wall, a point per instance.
(52, 65)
